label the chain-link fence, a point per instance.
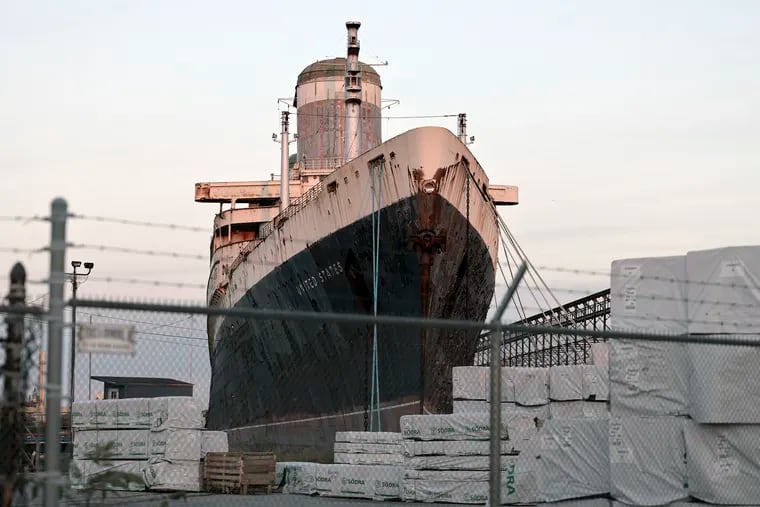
(642, 394)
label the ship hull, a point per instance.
(288, 386)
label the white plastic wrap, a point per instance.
(648, 378)
(573, 459)
(111, 414)
(531, 386)
(596, 409)
(368, 437)
(566, 383)
(132, 413)
(469, 382)
(451, 462)
(507, 384)
(296, 478)
(647, 460)
(85, 443)
(599, 353)
(467, 492)
(469, 406)
(566, 409)
(474, 426)
(78, 473)
(596, 382)
(536, 412)
(368, 459)
(518, 485)
(132, 475)
(214, 441)
(174, 444)
(111, 444)
(362, 448)
(93, 414)
(451, 447)
(723, 463)
(724, 290)
(447, 475)
(720, 389)
(578, 409)
(180, 412)
(359, 481)
(649, 294)
(173, 475)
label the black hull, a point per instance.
(287, 386)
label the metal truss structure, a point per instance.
(540, 350)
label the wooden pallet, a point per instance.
(258, 471)
(238, 471)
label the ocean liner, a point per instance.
(402, 227)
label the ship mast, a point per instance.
(353, 94)
(284, 173)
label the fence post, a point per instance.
(10, 427)
(55, 346)
(494, 487)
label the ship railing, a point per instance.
(319, 164)
(296, 205)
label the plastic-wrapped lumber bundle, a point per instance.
(596, 382)
(469, 382)
(531, 386)
(412, 448)
(578, 409)
(115, 475)
(176, 444)
(468, 486)
(175, 475)
(474, 426)
(112, 444)
(566, 383)
(359, 481)
(367, 448)
(724, 290)
(178, 412)
(647, 460)
(355, 458)
(507, 384)
(296, 478)
(369, 437)
(723, 463)
(111, 414)
(572, 459)
(508, 409)
(722, 388)
(648, 378)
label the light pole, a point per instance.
(74, 284)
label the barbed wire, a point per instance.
(157, 283)
(29, 251)
(667, 279)
(26, 219)
(140, 223)
(137, 251)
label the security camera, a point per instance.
(76, 264)
(89, 265)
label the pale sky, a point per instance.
(632, 128)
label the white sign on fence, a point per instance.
(106, 338)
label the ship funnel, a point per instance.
(353, 86)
